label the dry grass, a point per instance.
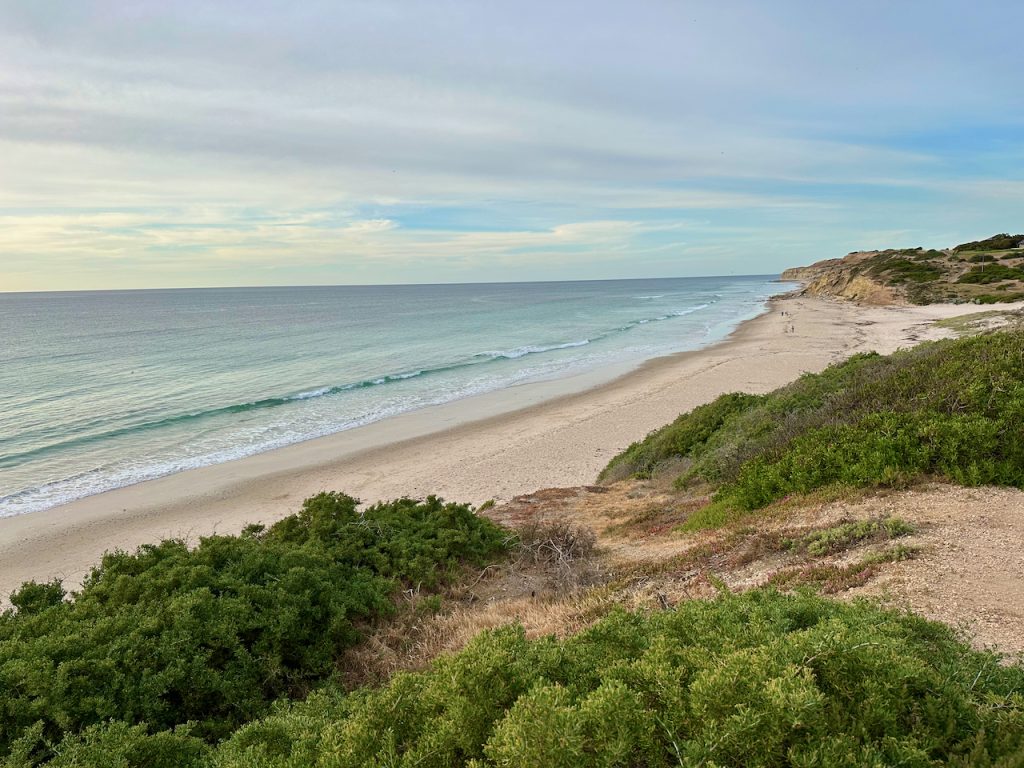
(416, 634)
(583, 551)
(548, 586)
(833, 578)
(658, 519)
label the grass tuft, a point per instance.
(832, 578)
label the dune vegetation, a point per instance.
(952, 409)
(759, 679)
(196, 641)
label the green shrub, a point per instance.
(682, 437)
(210, 636)
(994, 243)
(845, 535)
(990, 298)
(754, 680)
(991, 273)
(946, 408)
(905, 270)
(882, 449)
(898, 267)
(34, 597)
(114, 744)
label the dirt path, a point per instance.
(970, 571)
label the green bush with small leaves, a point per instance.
(759, 679)
(994, 243)
(901, 270)
(990, 298)
(687, 434)
(209, 636)
(952, 409)
(991, 273)
(838, 538)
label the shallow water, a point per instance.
(103, 389)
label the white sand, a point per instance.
(498, 445)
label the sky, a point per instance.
(180, 144)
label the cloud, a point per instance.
(206, 246)
(197, 142)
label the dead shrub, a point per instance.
(560, 546)
(555, 542)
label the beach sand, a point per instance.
(492, 446)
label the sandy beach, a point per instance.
(499, 445)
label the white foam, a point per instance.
(311, 394)
(515, 354)
(690, 311)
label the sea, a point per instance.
(100, 390)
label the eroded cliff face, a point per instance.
(840, 279)
(841, 284)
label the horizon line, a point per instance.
(379, 285)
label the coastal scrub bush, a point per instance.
(758, 679)
(991, 273)
(113, 744)
(952, 408)
(684, 436)
(996, 243)
(989, 298)
(882, 449)
(901, 270)
(208, 636)
(828, 541)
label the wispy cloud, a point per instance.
(225, 143)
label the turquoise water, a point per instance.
(103, 389)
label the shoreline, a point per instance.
(497, 445)
(323, 402)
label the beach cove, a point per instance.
(498, 445)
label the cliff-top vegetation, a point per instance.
(986, 271)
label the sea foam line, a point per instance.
(101, 479)
(479, 358)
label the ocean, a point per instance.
(103, 389)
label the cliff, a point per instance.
(844, 279)
(981, 272)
